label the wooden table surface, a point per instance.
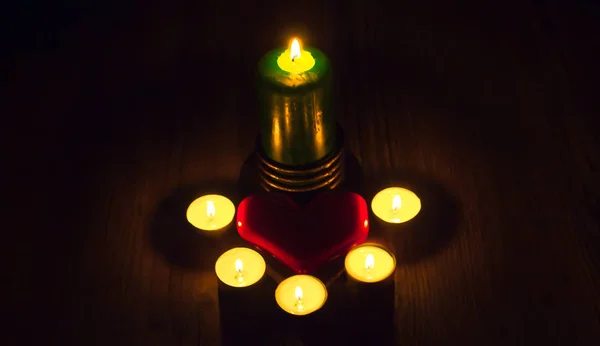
(124, 104)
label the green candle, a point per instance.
(296, 120)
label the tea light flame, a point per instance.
(369, 262)
(298, 293)
(396, 203)
(210, 209)
(295, 50)
(239, 267)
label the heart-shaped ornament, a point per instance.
(304, 237)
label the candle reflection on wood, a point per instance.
(301, 299)
(244, 293)
(370, 282)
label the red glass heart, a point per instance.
(303, 238)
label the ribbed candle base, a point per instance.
(325, 174)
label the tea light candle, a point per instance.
(211, 213)
(301, 295)
(396, 205)
(243, 290)
(369, 269)
(369, 263)
(240, 267)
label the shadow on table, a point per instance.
(180, 243)
(430, 231)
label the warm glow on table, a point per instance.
(396, 205)
(301, 294)
(211, 212)
(295, 60)
(240, 267)
(369, 263)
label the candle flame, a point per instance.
(210, 209)
(298, 293)
(239, 266)
(369, 262)
(396, 203)
(295, 50)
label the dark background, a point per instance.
(110, 106)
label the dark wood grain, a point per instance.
(494, 102)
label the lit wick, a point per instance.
(210, 209)
(369, 262)
(396, 203)
(299, 304)
(295, 50)
(239, 267)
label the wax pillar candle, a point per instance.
(296, 119)
(244, 293)
(370, 281)
(301, 299)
